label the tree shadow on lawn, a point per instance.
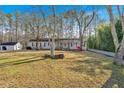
(97, 67)
(22, 61)
(116, 80)
(88, 66)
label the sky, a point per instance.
(60, 9)
(12, 8)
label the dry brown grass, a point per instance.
(77, 69)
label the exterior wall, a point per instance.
(70, 44)
(18, 46)
(45, 45)
(30, 44)
(40, 45)
(62, 44)
(8, 48)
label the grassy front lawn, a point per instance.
(78, 69)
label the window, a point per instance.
(71, 44)
(32, 44)
(44, 44)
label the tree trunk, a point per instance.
(81, 37)
(2, 33)
(113, 29)
(119, 55)
(25, 41)
(16, 34)
(52, 48)
(37, 37)
(81, 42)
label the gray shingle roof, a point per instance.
(46, 39)
(9, 43)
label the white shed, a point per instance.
(10, 46)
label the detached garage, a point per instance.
(10, 46)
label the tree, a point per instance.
(59, 29)
(50, 25)
(9, 16)
(17, 21)
(113, 29)
(52, 32)
(83, 21)
(102, 40)
(26, 28)
(119, 47)
(2, 21)
(69, 22)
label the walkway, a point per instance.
(110, 54)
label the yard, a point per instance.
(77, 69)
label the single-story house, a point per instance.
(10, 46)
(64, 44)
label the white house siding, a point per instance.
(41, 45)
(18, 46)
(72, 44)
(32, 44)
(45, 45)
(62, 44)
(8, 48)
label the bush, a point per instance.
(103, 39)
